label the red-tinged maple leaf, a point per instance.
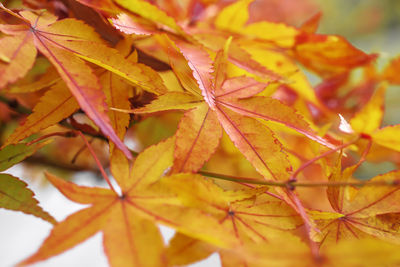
(275, 65)
(131, 24)
(256, 52)
(148, 19)
(58, 103)
(75, 73)
(328, 55)
(131, 216)
(231, 105)
(63, 42)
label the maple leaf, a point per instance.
(63, 46)
(359, 213)
(131, 215)
(40, 31)
(148, 25)
(46, 80)
(58, 103)
(272, 65)
(254, 215)
(14, 194)
(251, 214)
(248, 109)
(13, 154)
(231, 105)
(55, 105)
(312, 51)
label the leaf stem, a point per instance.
(103, 173)
(63, 134)
(327, 153)
(307, 224)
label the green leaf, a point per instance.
(13, 154)
(14, 195)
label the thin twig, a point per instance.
(292, 183)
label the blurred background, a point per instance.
(371, 25)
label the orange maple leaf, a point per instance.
(130, 217)
(63, 43)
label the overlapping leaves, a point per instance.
(64, 42)
(229, 76)
(227, 102)
(131, 214)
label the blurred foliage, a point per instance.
(355, 18)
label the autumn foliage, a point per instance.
(200, 118)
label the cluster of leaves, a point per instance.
(214, 99)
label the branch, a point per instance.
(291, 184)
